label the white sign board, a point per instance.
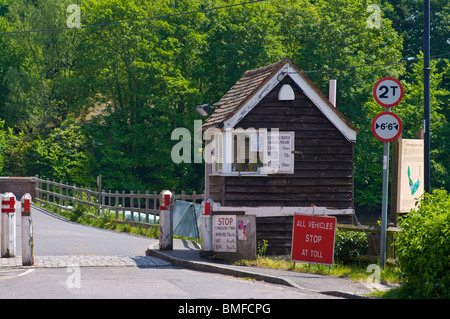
(280, 152)
(411, 173)
(224, 233)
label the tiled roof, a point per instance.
(249, 85)
(240, 92)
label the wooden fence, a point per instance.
(131, 207)
(373, 238)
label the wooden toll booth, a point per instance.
(276, 146)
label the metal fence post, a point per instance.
(27, 232)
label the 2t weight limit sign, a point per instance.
(388, 92)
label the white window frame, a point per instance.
(231, 148)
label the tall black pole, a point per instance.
(426, 92)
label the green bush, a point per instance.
(349, 244)
(78, 212)
(424, 246)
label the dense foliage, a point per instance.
(349, 244)
(80, 102)
(424, 246)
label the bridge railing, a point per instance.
(129, 207)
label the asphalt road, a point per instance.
(166, 282)
(56, 236)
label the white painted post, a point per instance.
(27, 232)
(206, 228)
(165, 221)
(8, 212)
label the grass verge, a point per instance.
(357, 271)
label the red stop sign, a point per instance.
(313, 239)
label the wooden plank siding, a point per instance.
(277, 231)
(323, 169)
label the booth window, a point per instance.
(252, 152)
(247, 153)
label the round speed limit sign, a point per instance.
(387, 126)
(388, 92)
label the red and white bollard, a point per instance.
(8, 212)
(27, 232)
(206, 228)
(165, 221)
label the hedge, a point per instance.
(424, 246)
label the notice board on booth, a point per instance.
(280, 153)
(313, 239)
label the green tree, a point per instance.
(410, 111)
(237, 39)
(40, 88)
(142, 78)
(63, 155)
(120, 89)
(407, 19)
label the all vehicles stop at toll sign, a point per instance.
(313, 239)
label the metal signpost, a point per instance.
(386, 127)
(426, 92)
